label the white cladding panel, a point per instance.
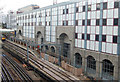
(88, 44)
(103, 46)
(96, 46)
(79, 43)
(114, 48)
(109, 30)
(76, 43)
(109, 39)
(109, 48)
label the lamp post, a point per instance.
(27, 51)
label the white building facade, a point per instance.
(96, 25)
(11, 19)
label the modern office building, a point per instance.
(88, 31)
(11, 19)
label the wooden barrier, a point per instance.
(63, 64)
(56, 61)
(52, 60)
(42, 55)
(71, 69)
(49, 58)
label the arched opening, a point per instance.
(46, 47)
(52, 49)
(107, 69)
(65, 45)
(20, 32)
(91, 64)
(39, 37)
(78, 60)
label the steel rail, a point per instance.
(8, 75)
(56, 71)
(18, 69)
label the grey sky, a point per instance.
(15, 4)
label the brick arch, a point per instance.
(107, 69)
(90, 54)
(53, 47)
(69, 31)
(20, 32)
(78, 60)
(64, 37)
(39, 33)
(110, 60)
(91, 63)
(63, 34)
(80, 51)
(39, 37)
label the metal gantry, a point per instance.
(35, 45)
(40, 47)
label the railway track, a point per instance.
(15, 72)
(46, 67)
(6, 76)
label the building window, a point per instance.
(49, 24)
(52, 49)
(63, 11)
(31, 16)
(116, 4)
(31, 24)
(66, 23)
(83, 22)
(28, 24)
(35, 16)
(25, 24)
(107, 68)
(82, 36)
(98, 6)
(97, 38)
(91, 63)
(45, 23)
(78, 60)
(88, 36)
(23, 17)
(105, 5)
(76, 35)
(66, 11)
(104, 22)
(97, 22)
(89, 7)
(88, 22)
(76, 22)
(83, 8)
(115, 21)
(77, 9)
(104, 38)
(46, 47)
(40, 15)
(114, 39)
(63, 23)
